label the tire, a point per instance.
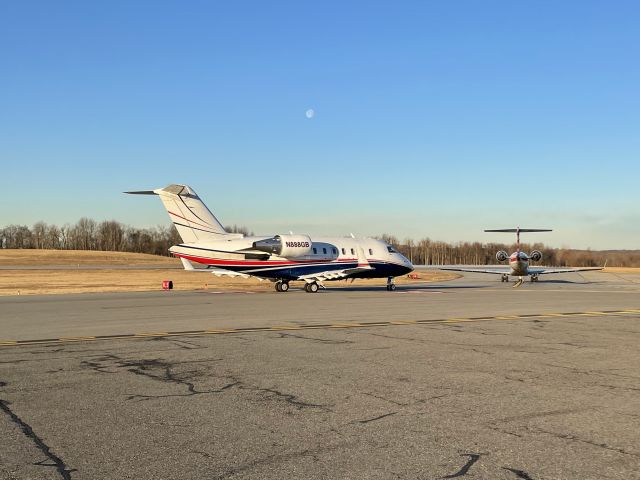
(313, 288)
(284, 287)
(278, 286)
(392, 287)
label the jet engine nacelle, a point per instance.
(288, 246)
(536, 256)
(502, 256)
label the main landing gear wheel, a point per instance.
(534, 278)
(282, 286)
(390, 285)
(311, 287)
(505, 278)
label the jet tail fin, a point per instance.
(193, 220)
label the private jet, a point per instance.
(519, 262)
(280, 258)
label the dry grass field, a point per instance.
(19, 258)
(53, 281)
(622, 270)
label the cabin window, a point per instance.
(335, 252)
(324, 250)
(315, 250)
(353, 252)
(344, 252)
(370, 252)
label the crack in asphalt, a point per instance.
(393, 337)
(58, 463)
(618, 387)
(143, 367)
(287, 397)
(319, 340)
(473, 458)
(401, 404)
(183, 344)
(368, 420)
(519, 473)
(574, 438)
(148, 368)
(278, 457)
(506, 432)
(548, 413)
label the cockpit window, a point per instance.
(391, 249)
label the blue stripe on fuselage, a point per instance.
(292, 272)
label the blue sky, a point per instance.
(432, 119)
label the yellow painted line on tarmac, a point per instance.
(84, 338)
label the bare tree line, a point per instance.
(110, 235)
(87, 234)
(430, 252)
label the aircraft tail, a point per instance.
(518, 231)
(193, 220)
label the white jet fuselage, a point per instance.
(519, 263)
(324, 254)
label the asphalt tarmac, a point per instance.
(466, 379)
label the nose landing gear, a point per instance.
(390, 285)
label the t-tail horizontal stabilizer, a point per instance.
(193, 220)
(518, 231)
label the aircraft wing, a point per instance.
(363, 266)
(495, 271)
(549, 270)
(333, 274)
(218, 272)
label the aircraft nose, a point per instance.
(407, 264)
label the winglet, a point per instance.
(187, 264)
